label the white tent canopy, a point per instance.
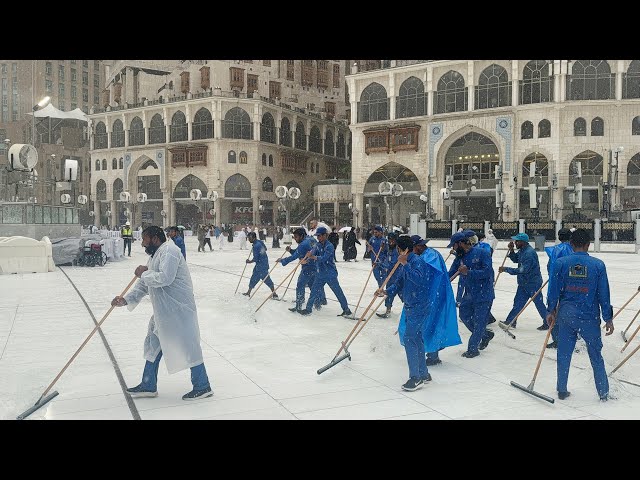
(53, 112)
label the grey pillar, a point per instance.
(596, 234)
(521, 228)
(454, 227)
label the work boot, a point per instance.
(563, 395)
(246, 294)
(386, 314)
(345, 313)
(274, 296)
(552, 345)
(304, 312)
(485, 341)
(604, 398)
(294, 309)
(469, 354)
(492, 319)
(433, 361)
(544, 326)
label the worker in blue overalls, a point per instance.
(261, 270)
(378, 247)
(529, 278)
(563, 249)
(307, 272)
(390, 260)
(578, 295)
(476, 284)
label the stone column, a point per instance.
(96, 209)
(124, 129)
(392, 97)
(619, 72)
(166, 206)
(359, 204)
(256, 121)
(515, 83)
(167, 125)
(172, 212)
(216, 110)
(335, 212)
(114, 213)
(471, 99)
(430, 91)
(145, 127)
(108, 125)
(129, 91)
(556, 80)
(91, 136)
(256, 212)
(564, 71)
(189, 121)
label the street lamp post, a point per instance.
(38, 106)
(471, 186)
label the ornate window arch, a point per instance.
(451, 95)
(633, 171)
(97, 169)
(121, 163)
(117, 134)
(237, 124)
(136, 132)
(237, 186)
(264, 159)
(411, 101)
(315, 140)
(100, 137)
(231, 157)
(374, 104)
(301, 137)
(243, 157)
(178, 131)
(271, 160)
(329, 148)
(101, 190)
(635, 126)
(202, 125)
(285, 132)
(526, 130)
(631, 81)
(493, 89)
(597, 127)
(340, 146)
(118, 187)
(104, 164)
(591, 166)
(544, 128)
(114, 163)
(536, 85)
(157, 132)
(579, 127)
(542, 168)
(267, 185)
(268, 128)
(591, 80)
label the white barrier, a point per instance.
(25, 255)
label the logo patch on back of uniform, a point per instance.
(578, 271)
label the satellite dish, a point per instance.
(125, 196)
(82, 199)
(92, 213)
(65, 198)
(23, 156)
(397, 189)
(281, 191)
(294, 193)
(212, 195)
(385, 188)
(163, 213)
(195, 194)
(142, 197)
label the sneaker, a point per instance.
(426, 378)
(412, 384)
(141, 392)
(198, 394)
(317, 307)
(604, 397)
(246, 294)
(433, 361)
(274, 296)
(384, 315)
(543, 327)
(563, 395)
(552, 345)
(345, 313)
(294, 309)
(492, 319)
(485, 341)
(324, 302)
(469, 354)
(304, 312)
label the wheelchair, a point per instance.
(92, 256)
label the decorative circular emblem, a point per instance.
(160, 153)
(503, 124)
(436, 130)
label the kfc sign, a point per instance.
(242, 210)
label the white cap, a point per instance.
(128, 223)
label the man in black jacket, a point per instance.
(334, 238)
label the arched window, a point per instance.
(149, 164)
(101, 190)
(631, 81)
(285, 132)
(157, 132)
(202, 125)
(97, 166)
(591, 165)
(188, 183)
(237, 124)
(541, 169)
(100, 139)
(136, 132)
(267, 185)
(544, 129)
(451, 95)
(635, 126)
(104, 164)
(633, 171)
(243, 157)
(580, 127)
(472, 157)
(340, 147)
(526, 130)
(374, 104)
(231, 157)
(114, 164)
(178, 132)
(117, 188)
(591, 80)
(536, 85)
(315, 141)
(264, 159)
(271, 160)
(329, 148)
(117, 134)
(494, 88)
(411, 101)
(268, 129)
(293, 183)
(120, 163)
(237, 186)
(301, 137)
(597, 127)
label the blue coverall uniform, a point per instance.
(391, 259)
(326, 273)
(180, 244)
(414, 284)
(477, 296)
(580, 288)
(307, 273)
(529, 281)
(379, 245)
(261, 270)
(561, 250)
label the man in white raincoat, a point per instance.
(173, 328)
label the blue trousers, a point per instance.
(475, 315)
(318, 289)
(306, 279)
(380, 273)
(388, 301)
(259, 274)
(199, 378)
(568, 330)
(413, 341)
(523, 294)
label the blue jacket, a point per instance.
(298, 253)
(260, 255)
(325, 265)
(379, 245)
(180, 243)
(477, 284)
(557, 251)
(414, 283)
(528, 270)
(581, 285)
(486, 246)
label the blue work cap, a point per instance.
(521, 236)
(378, 228)
(321, 231)
(456, 238)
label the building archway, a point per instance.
(188, 212)
(237, 206)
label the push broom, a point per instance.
(508, 327)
